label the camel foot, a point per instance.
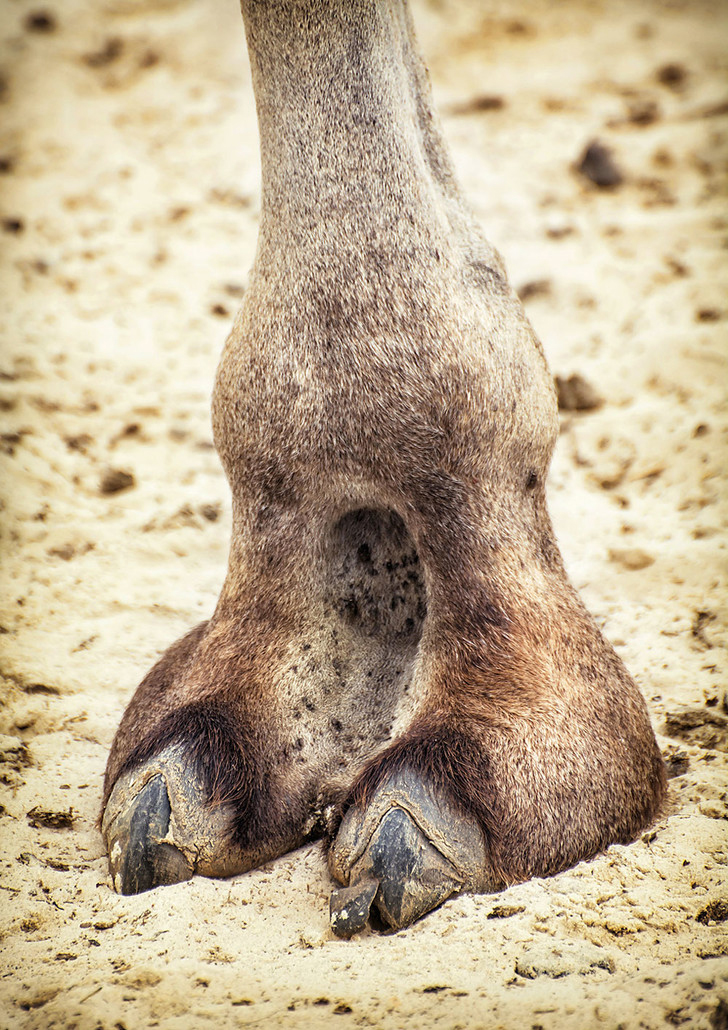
(404, 854)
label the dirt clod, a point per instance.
(714, 912)
(535, 288)
(14, 752)
(40, 21)
(43, 817)
(505, 911)
(702, 726)
(210, 512)
(597, 164)
(676, 759)
(576, 394)
(113, 481)
(634, 559)
(106, 54)
(672, 75)
(643, 111)
(479, 104)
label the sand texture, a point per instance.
(129, 209)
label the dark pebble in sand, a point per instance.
(576, 394)
(598, 166)
(115, 480)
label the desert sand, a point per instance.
(129, 208)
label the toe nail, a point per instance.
(349, 907)
(138, 855)
(414, 877)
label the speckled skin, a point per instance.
(395, 598)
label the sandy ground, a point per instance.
(129, 176)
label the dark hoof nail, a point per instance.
(414, 877)
(349, 908)
(399, 872)
(413, 846)
(139, 856)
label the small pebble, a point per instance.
(115, 480)
(597, 164)
(576, 394)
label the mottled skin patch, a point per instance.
(395, 599)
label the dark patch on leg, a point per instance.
(375, 585)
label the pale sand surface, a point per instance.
(133, 168)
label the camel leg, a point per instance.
(396, 627)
